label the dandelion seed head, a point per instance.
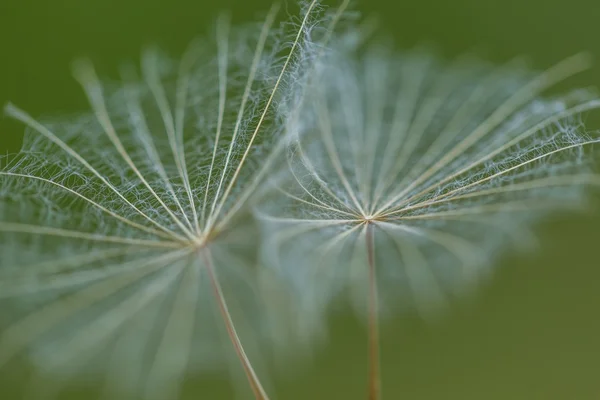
(128, 251)
(125, 239)
(447, 164)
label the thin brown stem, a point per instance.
(255, 385)
(374, 373)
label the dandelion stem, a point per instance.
(374, 374)
(257, 389)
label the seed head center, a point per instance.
(369, 218)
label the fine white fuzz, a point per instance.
(406, 176)
(120, 247)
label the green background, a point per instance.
(532, 333)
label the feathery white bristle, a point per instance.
(121, 230)
(443, 163)
(127, 249)
(405, 177)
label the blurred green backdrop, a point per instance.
(532, 333)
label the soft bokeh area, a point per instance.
(532, 333)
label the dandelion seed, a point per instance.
(406, 176)
(123, 242)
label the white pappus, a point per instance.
(406, 175)
(126, 251)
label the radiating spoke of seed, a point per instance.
(59, 265)
(433, 102)
(293, 232)
(86, 75)
(377, 75)
(516, 167)
(37, 277)
(422, 282)
(21, 334)
(404, 108)
(173, 353)
(73, 234)
(251, 187)
(216, 205)
(468, 111)
(79, 277)
(152, 76)
(586, 106)
(127, 361)
(320, 204)
(22, 116)
(334, 240)
(321, 222)
(183, 79)
(467, 253)
(90, 201)
(141, 130)
(307, 164)
(541, 183)
(266, 108)
(223, 26)
(326, 131)
(548, 78)
(514, 206)
(89, 340)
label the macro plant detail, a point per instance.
(124, 236)
(406, 176)
(128, 235)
